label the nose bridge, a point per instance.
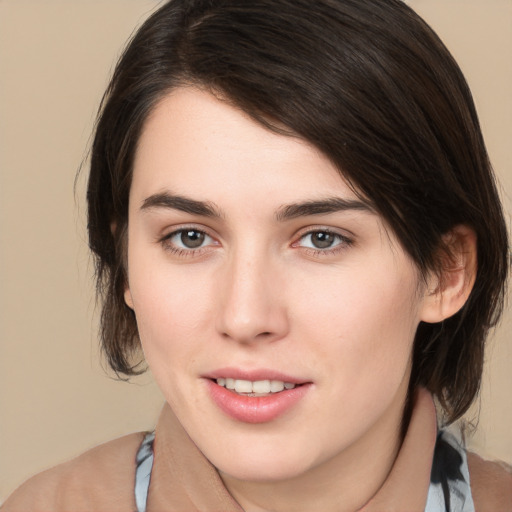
(251, 306)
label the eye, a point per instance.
(322, 240)
(319, 240)
(187, 239)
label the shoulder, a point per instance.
(99, 479)
(491, 484)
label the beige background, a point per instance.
(55, 57)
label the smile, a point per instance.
(254, 388)
(254, 399)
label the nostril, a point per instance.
(264, 335)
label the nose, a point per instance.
(251, 300)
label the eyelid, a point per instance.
(169, 231)
(346, 239)
(343, 233)
(165, 239)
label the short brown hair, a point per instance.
(368, 83)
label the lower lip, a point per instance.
(255, 409)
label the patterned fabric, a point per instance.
(449, 489)
(144, 461)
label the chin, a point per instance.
(271, 462)
(268, 471)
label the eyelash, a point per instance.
(168, 245)
(343, 242)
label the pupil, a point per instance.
(192, 239)
(322, 240)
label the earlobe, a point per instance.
(448, 290)
(128, 297)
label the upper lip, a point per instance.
(253, 375)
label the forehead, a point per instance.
(193, 141)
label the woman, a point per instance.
(294, 216)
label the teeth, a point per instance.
(259, 387)
(277, 385)
(243, 386)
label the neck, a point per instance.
(344, 483)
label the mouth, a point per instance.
(254, 388)
(257, 396)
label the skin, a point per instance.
(256, 294)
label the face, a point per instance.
(252, 265)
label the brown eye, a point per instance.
(323, 240)
(187, 239)
(191, 238)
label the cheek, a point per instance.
(363, 320)
(171, 307)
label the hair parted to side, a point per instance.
(365, 81)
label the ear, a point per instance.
(128, 296)
(448, 290)
(127, 293)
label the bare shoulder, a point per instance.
(99, 479)
(491, 484)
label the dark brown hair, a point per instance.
(368, 83)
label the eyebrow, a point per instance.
(286, 212)
(321, 207)
(184, 204)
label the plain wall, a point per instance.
(55, 58)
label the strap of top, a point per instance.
(449, 489)
(144, 461)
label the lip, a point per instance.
(261, 409)
(253, 375)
